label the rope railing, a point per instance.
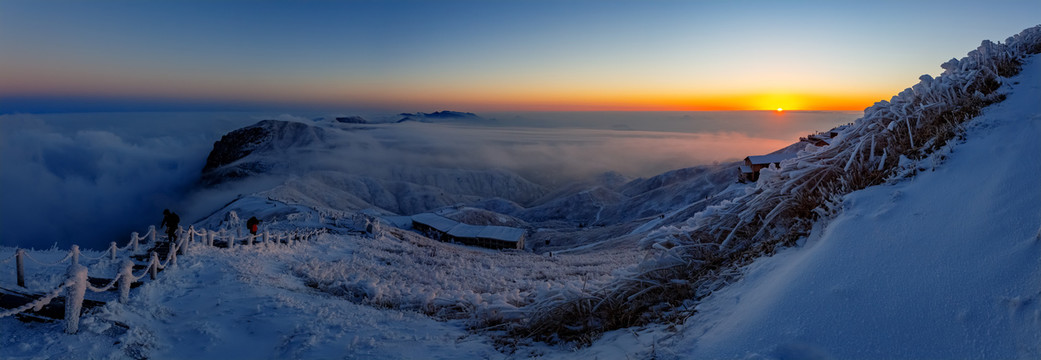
(106, 287)
(180, 247)
(39, 303)
(30, 257)
(77, 281)
(109, 252)
(4, 261)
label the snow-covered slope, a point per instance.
(639, 198)
(395, 295)
(894, 140)
(247, 304)
(944, 265)
(339, 167)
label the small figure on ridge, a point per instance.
(170, 221)
(253, 224)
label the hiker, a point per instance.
(253, 224)
(170, 221)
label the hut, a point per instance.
(754, 163)
(444, 229)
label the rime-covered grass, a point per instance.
(402, 270)
(703, 254)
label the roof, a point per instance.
(460, 230)
(503, 233)
(769, 159)
(435, 221)
(746, 169)
(465, 231)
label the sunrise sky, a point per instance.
(490, 55)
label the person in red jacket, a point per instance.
(253, 224)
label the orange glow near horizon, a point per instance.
(610, 97)
(737, 102)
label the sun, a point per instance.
(780, 109)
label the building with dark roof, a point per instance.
(754, 163)
(495, 237)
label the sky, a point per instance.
(118, 55)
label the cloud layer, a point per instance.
(546, 155)
(90, 179)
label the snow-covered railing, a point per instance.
(77, 279)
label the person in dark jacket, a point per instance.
(170, 221)
(253, 224)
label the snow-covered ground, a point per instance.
(394, 296)
(244, 306)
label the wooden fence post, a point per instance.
(182, 245)
(133, 240)
(113, 249)
(74, 297)
(154, 266)
(180, 249)
(19, 259)
(174, 249)
(75, 254)
(126, 278)
(151, 234)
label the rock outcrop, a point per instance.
(230, 158)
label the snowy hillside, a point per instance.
(330, 166)
(895, 139)
(392, 295)
(946, 264)
(339, 167)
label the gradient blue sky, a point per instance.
(482, 55)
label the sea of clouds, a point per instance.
(93, 178)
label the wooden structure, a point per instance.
(754, 163)
(489, 236)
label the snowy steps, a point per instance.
(55, 310)
(162, 249)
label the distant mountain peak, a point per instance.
(448, 115)
(353, 119)
(224, 161)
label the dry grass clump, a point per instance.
(705, 253)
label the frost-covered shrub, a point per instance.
(402, 270)
(702, 254)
